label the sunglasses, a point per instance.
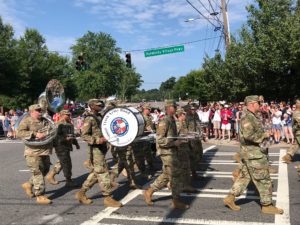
(38, 110)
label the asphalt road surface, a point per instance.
(206, 206)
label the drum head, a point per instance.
(120, 126)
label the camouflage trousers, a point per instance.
(64, 163)
(142, 151)
(99, 173)
(195, 153)
(257, 171)
(294, 148)
(39, 166)
(183, 155)
(125, 160)
(171, 173)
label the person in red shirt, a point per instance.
(226, 114)
(56, 117)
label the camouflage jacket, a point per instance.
(193, 123)
(148, 123)
(296, 122)
(27, 129)
(91, 131)
(65, 129)
(182, 129)
(252, 135)
(166, 128)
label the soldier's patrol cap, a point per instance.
(65, 112)
(96, 101)
(146, 106)
(170, 102)
(298, 102)
(180, 111)
(34, 107)
(251, 98)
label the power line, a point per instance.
(138, 50)
(183, 43)
(201, 14)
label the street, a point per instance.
(206, 207)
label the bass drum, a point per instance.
(121, 126)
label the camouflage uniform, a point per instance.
(254, 164)
(196, 152)
(91, 132)
(142, 150)
(170, 158)
(63, 148)
(183, 153)
(37, 157)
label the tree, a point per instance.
(167, 87)
(107, 73)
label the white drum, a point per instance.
(121, 126)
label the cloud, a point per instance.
(9, 15)
(60, 44)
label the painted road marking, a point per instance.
(283, 196)
(182, 220)
(109, 210)
(204, 195)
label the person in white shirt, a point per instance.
(217, 121)
(276, 124)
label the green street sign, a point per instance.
(163, 51)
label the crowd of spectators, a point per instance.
(222, 120)
(8, 122)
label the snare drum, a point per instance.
(121, 126)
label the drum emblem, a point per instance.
(119, 126)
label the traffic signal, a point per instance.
(128, 60)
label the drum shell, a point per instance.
(122, 125)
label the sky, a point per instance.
(136, 25)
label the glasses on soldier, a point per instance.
(38, 110)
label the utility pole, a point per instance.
(226, 25)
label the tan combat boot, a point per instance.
(81, 197)
(148, 196)
(270, 209)
(229, 201)
(43, 200)
(110, 202)
(28, 189)
(287, 159)
(50, 177)
(189, 189)
(237, 157)
(177, 204)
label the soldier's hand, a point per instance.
(40, 135)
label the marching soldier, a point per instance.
(254, 160)
(168, 147)
(296, 130)
(63, 145)
(193, 125)
(91, 133)
(37, 157)
(183, 152)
